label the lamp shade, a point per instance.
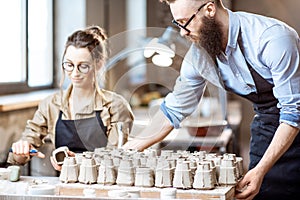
(162, 60)
(162, 49)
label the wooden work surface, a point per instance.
(220, 193)
(75, 191)
(180, 139)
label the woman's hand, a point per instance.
(21, 151)
(57, 166)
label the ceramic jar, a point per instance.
(164, 174)
(88, 171)
(182, 175)
(106, 173)
(125, 175)
(69, 171)
(204, 177)
(228, 172)
(144, 177)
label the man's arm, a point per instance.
(182, 101)
(282, 140)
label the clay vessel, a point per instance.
(88, 171)
(59, 154)
(144, 177)
(69, 172)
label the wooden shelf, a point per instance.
(22, 101)
(218, 193)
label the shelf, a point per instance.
(22, 101)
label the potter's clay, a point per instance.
(88, 170)
(69, 172)
(228, 171)
(59, 154)
(164, 174)
(182, 175)
(179, 169)
(125, 173)
(106, 173)
(204, 177)
(144, 177)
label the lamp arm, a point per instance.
(119, 56)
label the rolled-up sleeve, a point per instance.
(282, 55)
(197, 68)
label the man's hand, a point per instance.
(135, 144)
(249, 186)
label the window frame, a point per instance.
(23, 87)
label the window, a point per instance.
(26, 49)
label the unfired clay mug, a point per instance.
(59, 154)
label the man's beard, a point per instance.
(210, 37)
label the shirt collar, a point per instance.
(234, 29)
(63, 101)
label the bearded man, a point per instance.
(256, 57)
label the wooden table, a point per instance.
(181, 139)
(75, 191)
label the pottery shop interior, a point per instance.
(170, 121)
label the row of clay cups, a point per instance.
(137, 162)
(144, 156)
(105, 174)
(203, 177)
(183, 177)
(89, 167)
(71, 172)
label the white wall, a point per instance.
(287, 10)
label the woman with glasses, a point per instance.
(256, 57)
(83, 116)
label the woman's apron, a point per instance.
(283, 180)
(82, 134)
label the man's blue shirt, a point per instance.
(271, 48)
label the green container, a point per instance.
(14, 173)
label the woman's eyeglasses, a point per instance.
(82, 68)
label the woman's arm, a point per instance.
(35, 131)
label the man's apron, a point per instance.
(283, 180)
(82, 134)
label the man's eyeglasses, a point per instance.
(69, 67)
(189, 21)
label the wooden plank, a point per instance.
(219, 193)
(75, 191)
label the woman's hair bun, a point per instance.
(97, 31)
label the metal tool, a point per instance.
(30, 151)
